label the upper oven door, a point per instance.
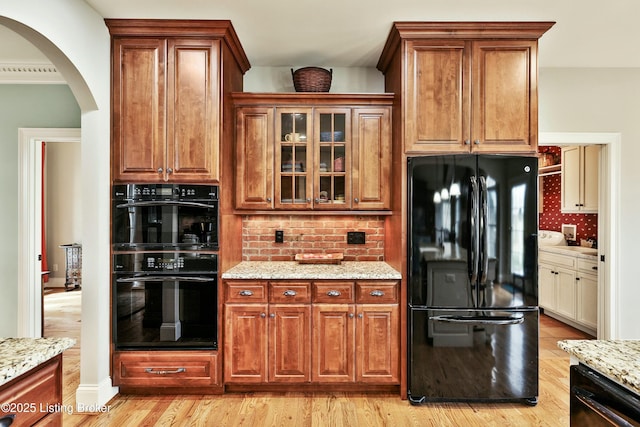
(173, 219)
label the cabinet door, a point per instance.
(570, 179)
(566, 293)
(504, 96)
(333, 356)
(245, 343)
(377, 343)
(254, 158)
(193, 116)
(371, 168)
(138, 148)
(590, 175)
(293, 158)
(289, 343)
(546, 287)
(587, 305)
(332, 158)
(437, 100)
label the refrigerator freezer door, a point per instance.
(470, 355)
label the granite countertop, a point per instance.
(19, 355)
(578, 251)
(618, 360)
(283, 270)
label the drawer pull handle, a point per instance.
(246, 293)
(376, 293)
(289, 293)
(333, 293)
(164, 372)
(595, 267)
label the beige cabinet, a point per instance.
(580, 174)
(465, 87)
(568, 288)
(321, 152)
(167, 98)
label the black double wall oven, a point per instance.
(165, 266)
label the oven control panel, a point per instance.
(159, 262)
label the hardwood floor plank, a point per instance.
(62, 318)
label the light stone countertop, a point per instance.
(578, 251)
(20, 355)
(618, 360)
(284, 270)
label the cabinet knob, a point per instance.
(160, 170)
(246, 293)
(333, 293)
(317, 200)
(594, 268)
(309, 200)
(356, 200)
(269, 199)
(467, 142)
(289, 293)
(169, 170)
(351, 316)
(360, 316)
(272, 315)
(477, 142)
(263, 315)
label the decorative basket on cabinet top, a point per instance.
(312, 79)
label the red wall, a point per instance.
(552, 218)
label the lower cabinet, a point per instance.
(188, 371)
(325, 332)
(568, 289)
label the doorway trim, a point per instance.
(608, 220)
(30, 223)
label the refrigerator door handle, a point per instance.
(479, 320)
(483, 224)
(473, 268)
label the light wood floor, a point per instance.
(62, 318)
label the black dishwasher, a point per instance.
(598, 401)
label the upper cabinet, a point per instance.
(313, 151)
(465, 87)
(580, 174)
(168, 83)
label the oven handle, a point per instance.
(164, 203)
(478, 320)
(165, 279)
(586, 398)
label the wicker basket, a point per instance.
(312, 79)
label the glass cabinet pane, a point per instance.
(293, 127)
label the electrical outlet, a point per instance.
(279, 236)
(355, 237)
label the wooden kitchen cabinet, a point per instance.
(579, 179)
(587, 293)
(465, 87)
(325, 332)
(168, 83)
(313, 151)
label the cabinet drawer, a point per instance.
(333, 292)
(290, 292)
(377, 292)
(38, 388)
(245, 291)
(166, 369)
(557, 259)
(588, 266)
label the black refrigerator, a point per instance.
(473, 280)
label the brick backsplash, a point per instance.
(311, 234)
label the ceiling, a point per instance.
(351, 33)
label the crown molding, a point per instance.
(30, 73)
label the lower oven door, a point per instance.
(598, 401)
(473, 355)
(165, 311)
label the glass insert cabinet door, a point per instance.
(294, 145)
(332, 161)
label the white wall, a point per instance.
(605, 100)
(63, 211)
